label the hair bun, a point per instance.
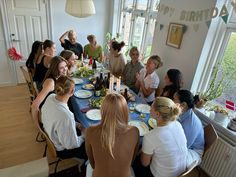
(122, 44)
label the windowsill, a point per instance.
(208, 117)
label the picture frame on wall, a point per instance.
(175, 35)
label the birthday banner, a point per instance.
(201, 15)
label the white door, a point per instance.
(27, 23)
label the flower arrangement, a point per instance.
(219, 109)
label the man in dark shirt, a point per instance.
(71, 44)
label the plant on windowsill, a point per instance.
(221, 114)
(218, 84)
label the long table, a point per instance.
(80, 104)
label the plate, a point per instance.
(143, 108)
(152, 122)
(83, 94)
(142, 127)
(78, 81)
(94, 114)
(88, 86)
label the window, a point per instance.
(137, 24)
(227, 71)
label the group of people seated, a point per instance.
(113, 146)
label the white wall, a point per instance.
(186, 58)
(98, 24)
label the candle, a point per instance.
(118, 85)
(111, 84)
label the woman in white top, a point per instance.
(147, 79)
(116, 61)
(59, 122)
(164, 148)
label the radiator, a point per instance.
(220, 160)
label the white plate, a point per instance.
(143, 108)
(88, 86)
(152, 122)
(142, 127)
(77, 80)
(83, 94)
(94, 114)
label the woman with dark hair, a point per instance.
(43, 62)
(36, 51)
(71, 60)
(57, 68)
(173, 83)
(116, 61)
(191, 124)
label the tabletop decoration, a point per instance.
(111, 85)
(118, 80)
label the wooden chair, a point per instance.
(190, 168)
(49, 146)
(210, 136)
(30, 83)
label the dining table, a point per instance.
(82, 105)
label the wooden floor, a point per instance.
(17, 131)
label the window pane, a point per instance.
(125, 26)
(154, 4)
(128, 4)
(142, 4)
(228, 72)
(138, 31)
(149, 38)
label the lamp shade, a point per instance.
(80, 8)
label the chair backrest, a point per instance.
(210, 136)
(29, 80)
(190, 168)
(50, 146)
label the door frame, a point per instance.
(6, 31)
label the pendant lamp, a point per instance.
(80, 8)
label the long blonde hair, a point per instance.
(168, 110)
(115, 115)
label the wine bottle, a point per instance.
(108, 80)
(94, 65)
(126, 95)
(97, 89)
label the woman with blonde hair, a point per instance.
(59, 122)
(93, 50)
(147, 79)
(71, 43)
(112, 145)
(164, 149)
(132, 68)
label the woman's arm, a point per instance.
(48, 86)
(146, 91)
(89, 150)
(63, 36)
(145, 159)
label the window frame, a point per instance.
(148, 14)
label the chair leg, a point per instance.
(57, 165)
(45, 150)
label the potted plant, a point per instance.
(218, 84)
(221, 114)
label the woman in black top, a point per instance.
(173, 83)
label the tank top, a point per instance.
(40, 71)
